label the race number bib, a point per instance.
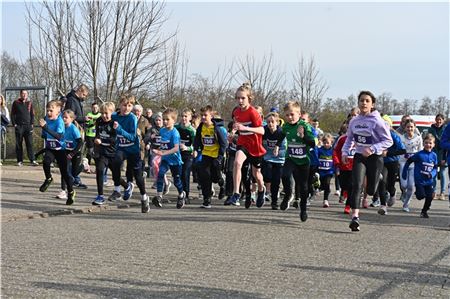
(164, 145)
(426, 168)
(325, 164)
(123, 142)
(271, 144)
(297, 151)
(53, 144)
(363, 140)
(208, 140)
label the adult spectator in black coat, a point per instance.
(22, 118)
(74, 102)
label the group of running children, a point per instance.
(365, 157)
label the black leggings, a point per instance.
(390, 173)
(362, 167)
(101, 163)
(73, 166)
(61, 159)
(325, 185)
(345, 181)
(134, 169)
(272, 174)
(300, 174)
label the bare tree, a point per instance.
(266, 80)
(442, 105)
(308, 84)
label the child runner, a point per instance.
(249, 145)
(344, 170)
(53, 134)
(187, 136)
(73, 140)
(425, 170)
(386, 187)
(212, 142)
(436, 130)
(127, 146)
(105, 149)
(170, 158)
(300, 139)
(372, 137)
(413, 143)
(273, 164)
(91, 118)
(326, 167)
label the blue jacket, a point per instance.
(445, 143)
(396, 149)
(425, 166)
(127, 137)
(326, 166)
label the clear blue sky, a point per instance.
(402, 48)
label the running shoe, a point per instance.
(347, 209)
(221, 193)
(303, 215)
(391, 201)
(382, 210)
(248, 201)
(337, 193)
(71, 198)
(316, 181)
(99, 200)
(80, 185)
(115, 196)
(261, 198)
(296, 203)
(354, 224)
(286, 202)
(206, 204)
(326, 204)
(62, 194)
(424, 215)
(180, 200)
(156, 200)
(274, 206)
(406, 209)
(341, 199)
(20, 164)
(376, 203)
(34, 163)
(145, 205)
(128, 191)
(46, 184)
(233, 200)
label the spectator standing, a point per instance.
(22, 118)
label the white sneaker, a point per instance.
(326, 204)
(62, 195)
(109, 184)
(382, 210)
(337, 193)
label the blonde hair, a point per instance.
(327, 136)
(292, 105)
(54, 103)
(127, 99)
(171, 112)
(2, 101)
(70, 113)
(246, 87)
(429, 136)
(187, 111)
(108, 106)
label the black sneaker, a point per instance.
(206, 204)
(180, 200)
(354, 224)
(285, 203)
(145, 205)
(261, 198)
(45, 185)
(221, 193)
(295, 203)
(274, 206)
(115, 196)
(70, 197)
(80, 186)
(424, 215)
(156, 200)
(248, 201)
(303, 215)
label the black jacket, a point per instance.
(74, 103)
(220, 134)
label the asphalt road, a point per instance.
(225, 252)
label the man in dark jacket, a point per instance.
(22, 118)
(74, 102)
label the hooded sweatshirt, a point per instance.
(368, 130)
